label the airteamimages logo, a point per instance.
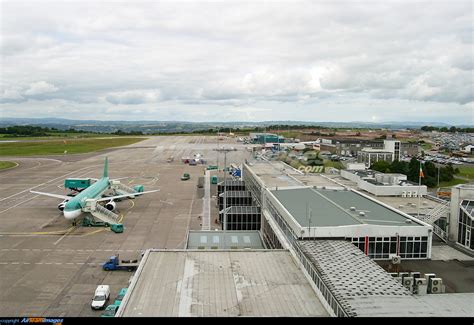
(41, 320)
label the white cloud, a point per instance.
(133, 97)
(215, 56)
(40, 87)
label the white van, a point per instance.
(101, 296)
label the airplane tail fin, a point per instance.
(106, 168)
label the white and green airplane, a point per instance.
(88, 199)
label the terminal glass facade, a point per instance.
(382, 247)
(465, 224)
(253, 186)
(235, 198)
(242, 218)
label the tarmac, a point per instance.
(49, 267)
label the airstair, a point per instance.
(99, 212)
(122, 189)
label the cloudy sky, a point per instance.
(235, 60)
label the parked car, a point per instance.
(110, 311)
(101, 296)
(119, 298)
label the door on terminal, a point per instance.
(468, 237)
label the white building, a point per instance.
(381, 184)
(468, 149)
(389, 153)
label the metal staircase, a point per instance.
(122, 189)
(101, 213)
(440, 211)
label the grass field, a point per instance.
(466, 171)
(426, 146)
(58, 147)
(54, 136)
(453, 182)
(7, 164)
(335, 164)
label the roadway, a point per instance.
(50, 268)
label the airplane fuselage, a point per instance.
(73, 208)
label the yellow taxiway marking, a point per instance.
(93, 232)
(56, 232)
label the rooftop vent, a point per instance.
(362, 214)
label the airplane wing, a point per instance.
(58, 196)
(108, 198)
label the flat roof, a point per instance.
(224, 240)
(275, 173)
(331, 208)
(220, 283)
(450, 305)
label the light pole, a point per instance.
(217, 138)
(419, 187)
(264, 135)
(225, 151)
(438, 176)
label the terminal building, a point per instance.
(390, 152)
(313, 256)
(263, 138)
(324, 212)
(352, 146)
(461, 230)
(382, 184)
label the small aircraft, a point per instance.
(73, 207)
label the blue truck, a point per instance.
(114, 264)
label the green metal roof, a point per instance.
(333, 208)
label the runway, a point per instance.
(48, 267)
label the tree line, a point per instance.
(34, 131)
(412, 170)
(452, 129)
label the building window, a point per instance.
(383, 247)
(465, 231)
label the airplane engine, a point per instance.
(62, 205)
(110, 205)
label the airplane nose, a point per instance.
(72, 214)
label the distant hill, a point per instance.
(179, 126)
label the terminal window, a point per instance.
(383, 247)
